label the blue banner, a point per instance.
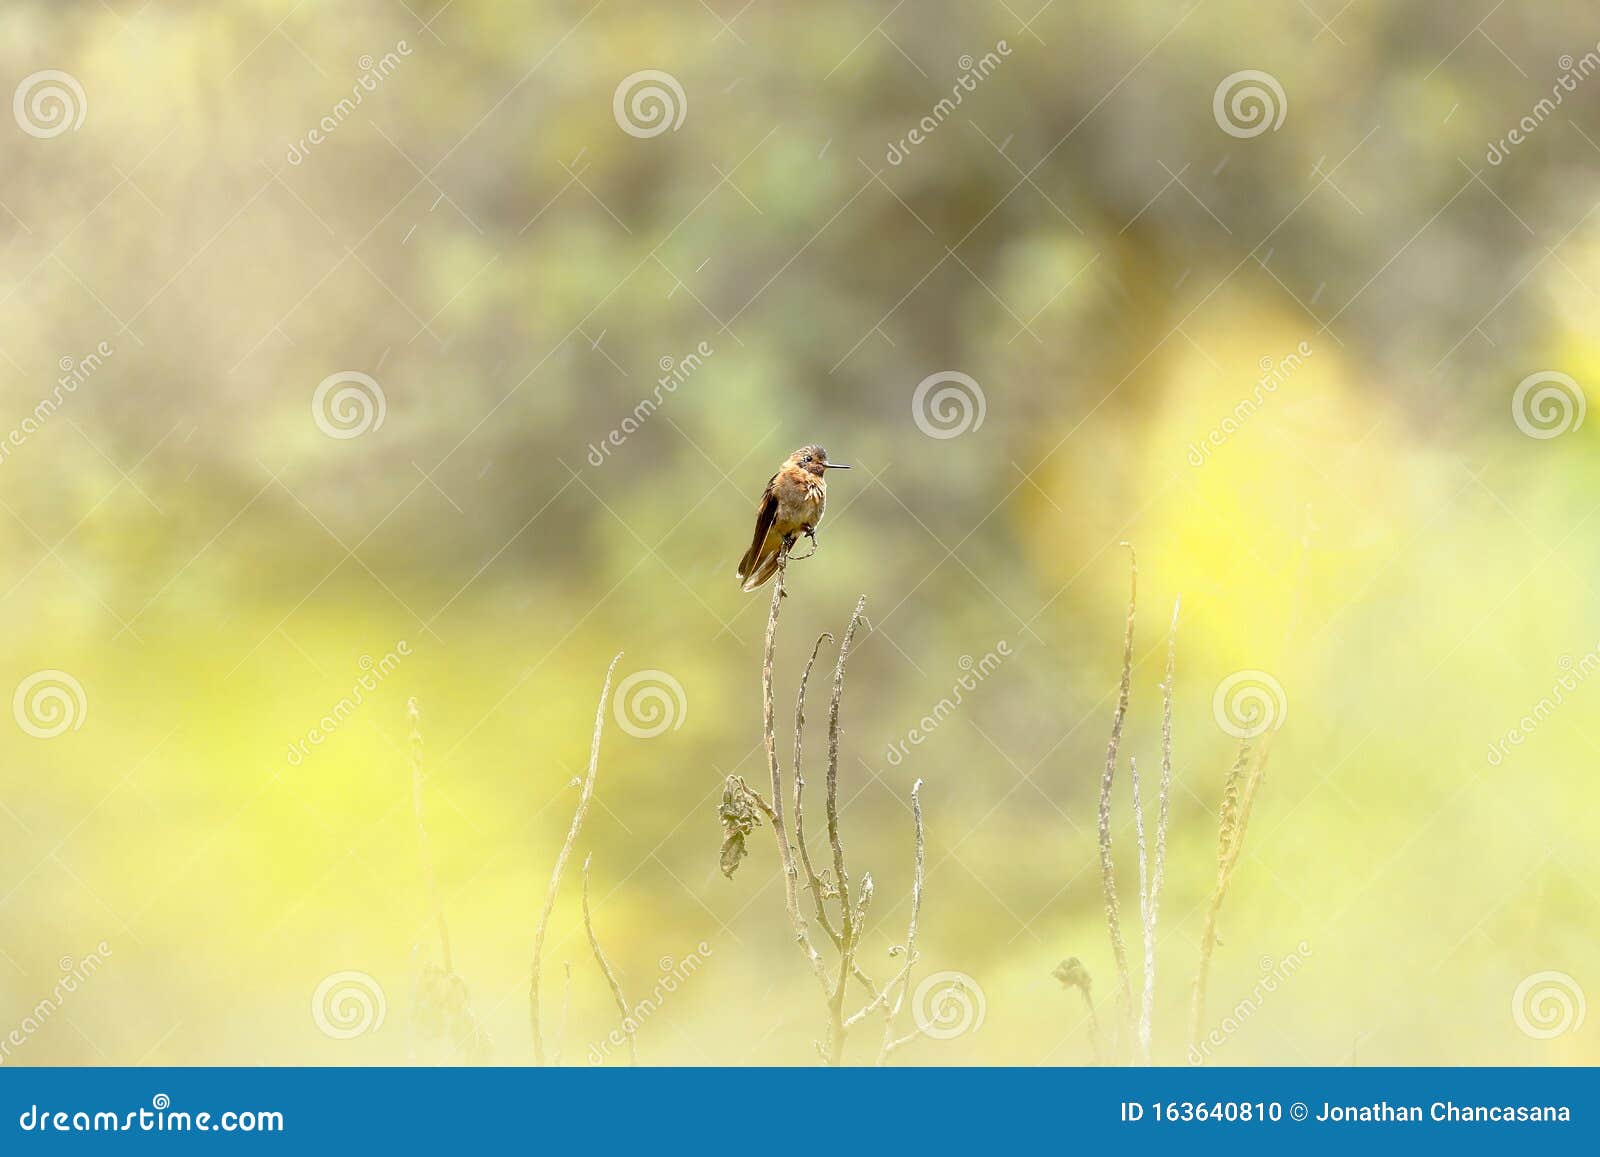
(740, 1110)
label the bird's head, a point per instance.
(814, 460)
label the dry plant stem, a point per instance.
(849, 929)
(605, 967)
(902, 982)
(1095, 1044)
(584, 796)
(1119, 948)
(813, 881)
(774, 811)
(845, 935)
(817, 885)
(1145, 927)
(1150, 890)
(1238, 796)
(566, 1005)
(424, 847)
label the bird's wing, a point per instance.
(766, 515)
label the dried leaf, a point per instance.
(739, 818)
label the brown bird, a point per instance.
(791, 505)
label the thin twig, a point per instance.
(903, 981)
(1072, 974)
(1146, 929)
(566, 1005)
(1152, 872)
(1108, 879)
(1238, 798)
(818, 885)
(584, 796)
(849, 929)
(774, 810)
(815, 882)
(1152, 905)
(605, 967)
(737, 819)
(1227, 841)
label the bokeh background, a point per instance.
(1113, 260)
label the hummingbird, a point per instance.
(790, 505)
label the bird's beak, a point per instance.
(836, 466)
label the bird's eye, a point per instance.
(807, 458)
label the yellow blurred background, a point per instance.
(369, 312)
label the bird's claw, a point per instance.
(809, 532)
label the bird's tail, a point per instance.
(760, 563)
